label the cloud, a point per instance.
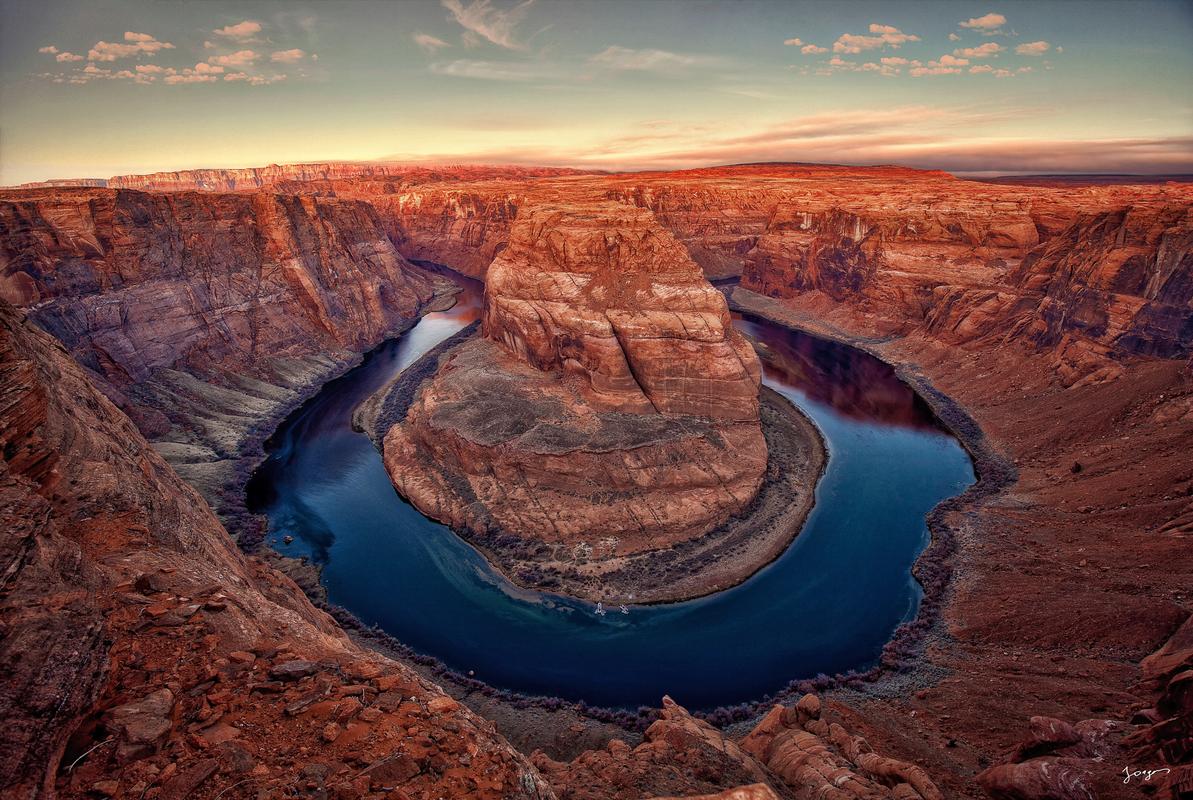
(253, 80)
(954, 37)
(428, 42)
(793, 42)
(1033, 48)
(952, 61)
(933, 69)
(981, 51)
(492, 70)
(988, 23)
(812, 50)
(49, 48)
(192, 77)
(149, 69)
(67, 57)
(288, 56)
(481, 19)
(987, 69)
(241, 31)
(241, 58)
(203, 68)
(623, 58)
(894, 61)
(137, 43)
(880, 36)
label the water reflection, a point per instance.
(850, 381)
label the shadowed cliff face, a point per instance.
(605, 353)
(1123, 279)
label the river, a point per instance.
(828, 604)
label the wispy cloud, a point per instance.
(49, 48)
(65, 57)
(793, 42)
(481, 19)
(987, 23)
(879, 36)
(134, 44)
(624, 58)
(1033, 48)
(241, 31)
(492, 70)
(813, 50)
(428, 42)
(917, 136)
(288, 56)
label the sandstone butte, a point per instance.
(609, 395)
(1057, 318)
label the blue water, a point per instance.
(828, 604)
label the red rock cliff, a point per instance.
(203, 315)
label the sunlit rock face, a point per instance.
(608, 396)
(609, 295)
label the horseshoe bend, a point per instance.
(607, 412)
(609, 440)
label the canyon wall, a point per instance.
(1110, 284)
(902, 251)
(274, 175)
(201, 314)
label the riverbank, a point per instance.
(718, 560)
(933, 569)
(223, 449)
(1041, 594)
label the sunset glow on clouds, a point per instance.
(1009, 86)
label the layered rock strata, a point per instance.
(203, 315)
(609, 404)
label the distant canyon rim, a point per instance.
(156, 330)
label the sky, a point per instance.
(96, 88)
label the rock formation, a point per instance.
(202, 315)
(792, 750)
(609, 397)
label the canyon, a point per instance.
(1050, 327)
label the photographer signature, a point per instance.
(1145, 774)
